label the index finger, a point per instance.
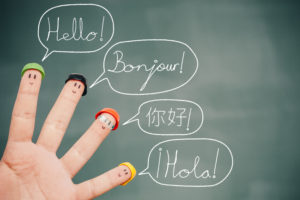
(24, 111)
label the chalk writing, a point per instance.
(125, 69)
(168, 117)
(189, 162)
(121, 66)
(76, 32)
(80, 38)
(171, 168)
(171, 117)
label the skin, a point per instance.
(33, 171)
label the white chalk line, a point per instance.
(98, 80)
(66, 5)
(132, 119)
(144, 172)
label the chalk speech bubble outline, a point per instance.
(144, 172)
(132, 119)
(99, 80)
(47, 54)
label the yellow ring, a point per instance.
(132, 169)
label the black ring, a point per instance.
(78, 77)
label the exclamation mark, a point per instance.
(216, 161)
(101, 35)
(188, 122)
(158, 165)
(181, 64)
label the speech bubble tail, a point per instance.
(99, 80)
(47, 54)
(132, 119)
(144, 172)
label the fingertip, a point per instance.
(78, 77)
(132, 170)
(113, 113)
(35, 66)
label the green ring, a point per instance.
(33, 66)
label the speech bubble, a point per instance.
(168, 117)
(189, 162)
(75, 28)
(148, 66)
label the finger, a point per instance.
(88, 143)
(92, 188)
(61, 113)
(24, 111)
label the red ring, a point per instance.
(113, 113)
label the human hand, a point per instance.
(33, 171)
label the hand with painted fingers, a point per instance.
(32, 170)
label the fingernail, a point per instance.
(33, 66)
(113, 113)
(78, 77)
(132, 169)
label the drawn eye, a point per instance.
(29, 76)
(34, 76)
(79, 86)
(75, 84)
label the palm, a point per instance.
(33, 171)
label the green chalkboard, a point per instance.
(207, 91)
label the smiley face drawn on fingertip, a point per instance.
(77, 82)
(124, 172)
(32, 76)
(107, 121)
(74, 87)
(77, 85)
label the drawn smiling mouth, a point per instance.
(31, 83)
(74, 92)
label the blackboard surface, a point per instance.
(222, 97)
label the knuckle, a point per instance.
(24, 115)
